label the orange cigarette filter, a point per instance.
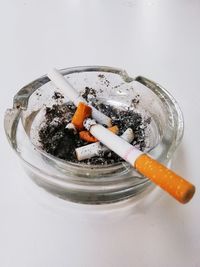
(114, 129)
(169, 181)
(83, 111)
(172, 183)
(86, 135)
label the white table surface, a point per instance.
(156, 39)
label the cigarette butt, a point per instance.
(128, 135)
(64, 85)
(172, 183)
(88, 151)
(95, 149)
(83, 111)
(86, 136)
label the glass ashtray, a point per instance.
(79, 182)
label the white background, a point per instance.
(156, 39)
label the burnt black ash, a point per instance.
(61, 142)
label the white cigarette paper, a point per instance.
(115, 143)
(89, 151)
(95, 149)
(63, 84)
(128, 135)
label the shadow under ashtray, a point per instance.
(135, 206)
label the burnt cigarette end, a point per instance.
(88, 123)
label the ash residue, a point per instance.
(57, 95)
(61, 142)
(54, 137)
(135, 101)
(89, 94)
(127, 119)
(104, 80)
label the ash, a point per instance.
(61, 142)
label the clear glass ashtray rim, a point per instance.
(70, 177)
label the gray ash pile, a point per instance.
(61, 142)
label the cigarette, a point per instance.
(175, 185)
(60, 82)
(88, 151)
(83, 111)
(128, 135)
(96, 149)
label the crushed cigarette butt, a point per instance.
(97, 149)
(83, 111)
(86, 136)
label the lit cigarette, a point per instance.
(172, 183)
(60, 82)
(96, 149)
